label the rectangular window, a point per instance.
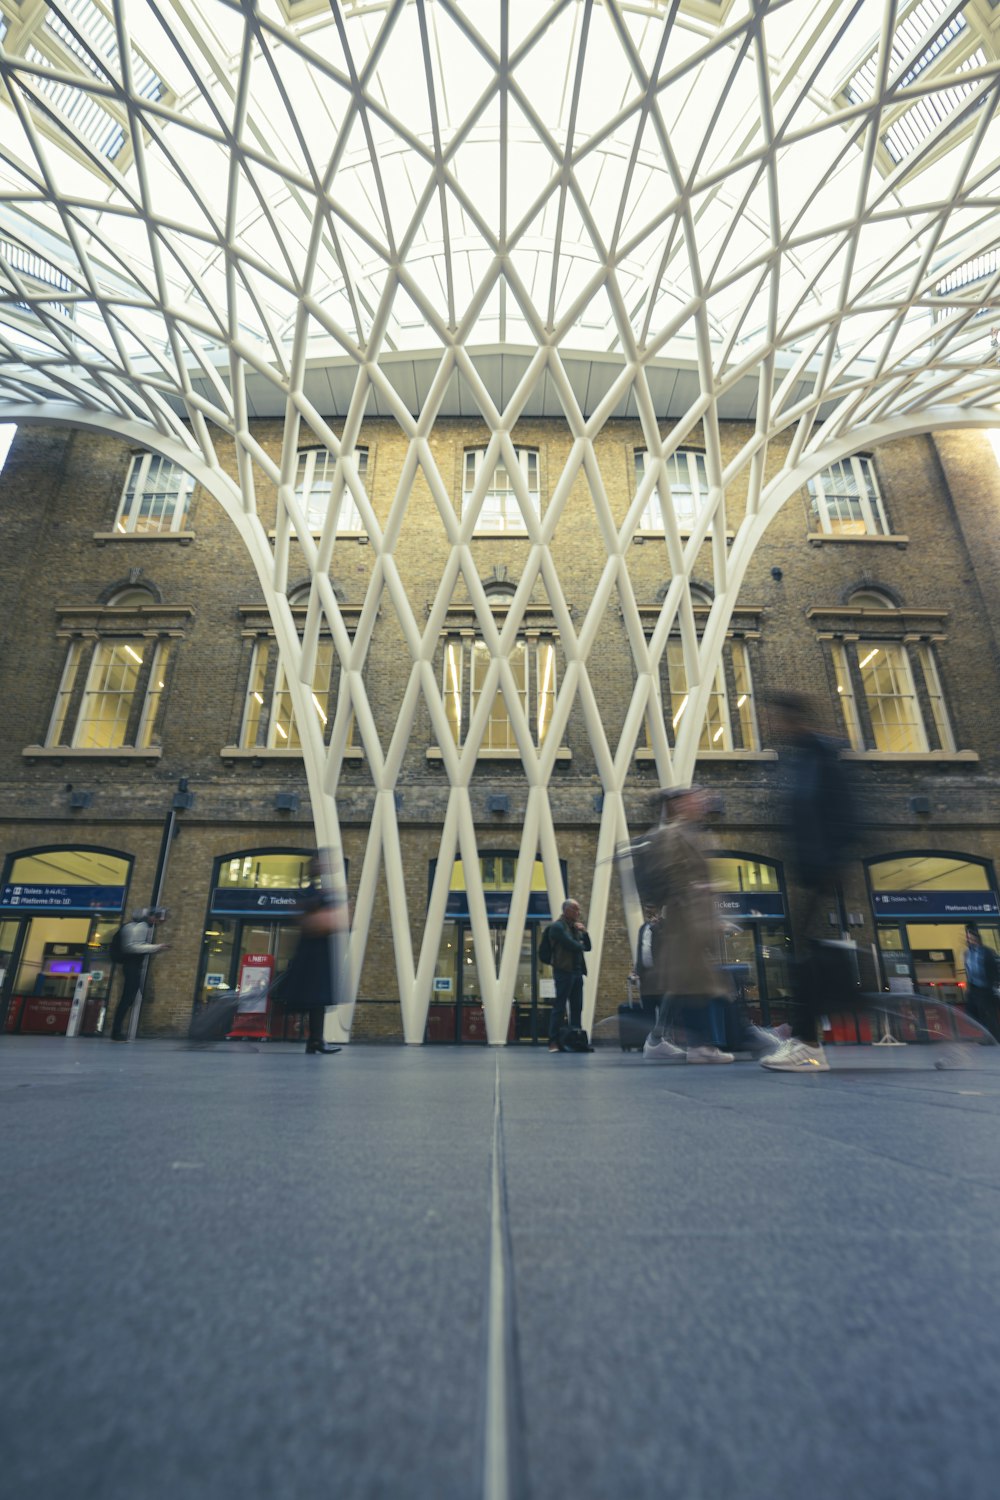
(716, 733)
(891, 698)
(746, 714)
(149, 723)
(846, 500)
(845, 696)
(268, 716)
(57, 723)
(687, 476)
(935, 693)
(314, 489)
(500, 511)
(156, 497)
(110, 694)
(466, 663)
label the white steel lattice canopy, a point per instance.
(677, 212)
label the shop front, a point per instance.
(456, 1009)
(59, 908)
(921, 903)
(250, 935)
(756, 941)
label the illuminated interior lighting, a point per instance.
(741, 700)
(718, 733)
(319, 708)
(278, 727)
(870, 657)
(134, 655)
(259, 698)
(677, 715)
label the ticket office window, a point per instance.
(252, 910)
(922, 902)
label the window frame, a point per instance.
(513, 520)
(270, 686)
(153, 630)
(349, 512)
(534, 692)
(867, 490)
(128, 513)
(651, 520)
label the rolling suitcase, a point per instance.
(213, 1020)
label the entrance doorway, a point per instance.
(921, 903)
(455, 1013)
(251, 933)
(456, 1009)
(59, 909)
(756, 941)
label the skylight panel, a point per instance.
(101, 34)
(976, 268)
(80, 109)
(909, 32)
(924, 116)
(35, 268)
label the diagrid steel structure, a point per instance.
(672, 210)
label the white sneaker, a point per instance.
(708, 1055)
(797, 1057)
(663, 1051)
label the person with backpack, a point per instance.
(568, 940)
(132, 946)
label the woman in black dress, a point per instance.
(309, 984)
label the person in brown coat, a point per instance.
(672, 871)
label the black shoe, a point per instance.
(324, 1047)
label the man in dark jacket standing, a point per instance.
(570, 941)
(137, 947)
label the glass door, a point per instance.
(455, 1013)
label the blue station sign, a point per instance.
(498, 905)
(741, 905)
(238, 901)
(69, 899)
(935, 906)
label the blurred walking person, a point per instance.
(672, 871)
(310, 983)
(982, 976)
(820, 811)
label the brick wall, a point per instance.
(60, 490)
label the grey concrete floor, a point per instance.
(244, 1272)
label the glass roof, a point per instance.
(277, 181)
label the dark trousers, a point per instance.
(316, 1014)
(131, 980)
(569, 991)
(981, 1005)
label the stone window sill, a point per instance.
(818, 538)
(89, 752)
(917, 756)
(563, 753)
(685, 533)
(274, 752)
(184, 537)
(649, 755)
(361, 537)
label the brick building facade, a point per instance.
(920, 581)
